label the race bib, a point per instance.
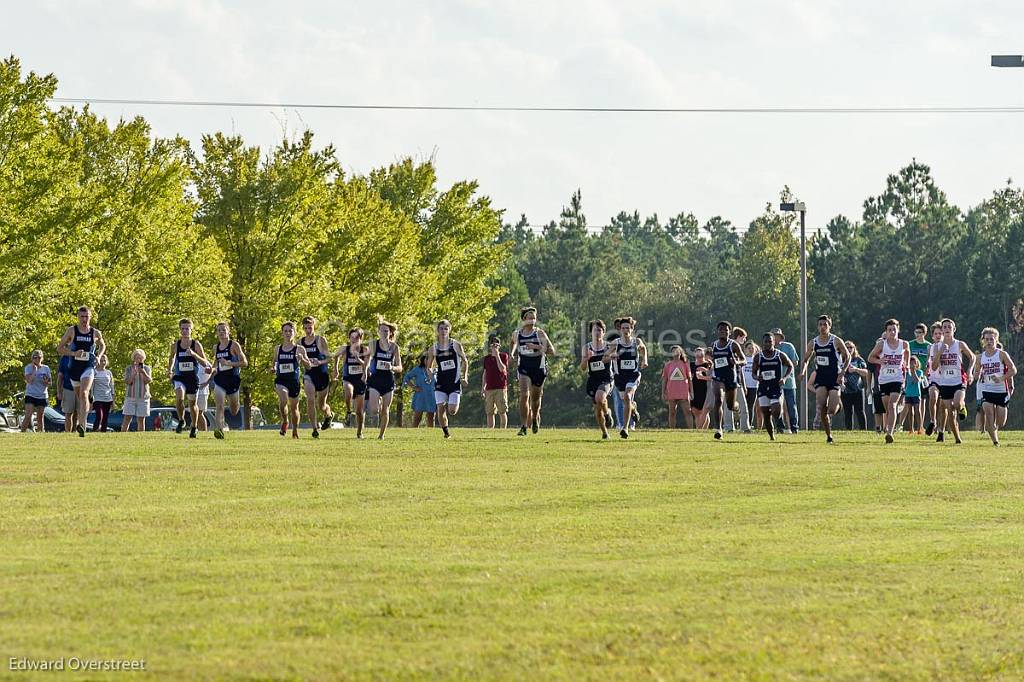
(994, 378)
(445, 364)
(628, 364)
(82, 355)
(721, 362)
(383, 364)
(822, 360)
(186, 366)
(286, 368)
(949, 372)
(596, 365)
(523, 348)
(890, 372)
(224, 366)
(768, 375)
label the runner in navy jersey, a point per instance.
(385, 359)
(770, 368)
(316, 379)
(599, 375)
(629, 357)
(530, 350)
(83, 343)
(726, 357)
(452, 373)
(828, 353)
(353, 360)
(226, 377)
(183, 370)
(288, 357)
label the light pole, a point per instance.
(799, 206)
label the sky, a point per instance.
(586, 53)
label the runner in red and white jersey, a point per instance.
(993, 372)
(892, 354)
(950, 358)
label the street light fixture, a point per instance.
(801, 208)
(1012, 61)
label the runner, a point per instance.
(950, 359)
(994, 372)
(452, 373)
(226, 376)
(700, 370)
(892, 355)
(675, 387)
(288, 356)
(37, 386)
(770, 368)
(316, 381)
(186, 354)
(83, 343)
(599, 375)
(354, 360)
(726, 356)
(630, 357)
(530, 349)
(829, 353)
(385, 360)
(934, 404)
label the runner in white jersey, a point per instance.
(993, 372)
(951, 359)
(934, 404)
(892, 355)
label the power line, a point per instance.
(999, 109)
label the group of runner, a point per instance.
(367, 368)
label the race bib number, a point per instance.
(596, 365)
(949, 372)
(822, 360)
(383, 364)
(224, 366)
(768, 375)
(628, 364)
(186, 366)
(445, 364)
(890, 372)
(721, 362)
(82, 355)
(286, 368)
(523, 348)
(994, 378)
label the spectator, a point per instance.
(69, 401)
(789, 387)
(203, 378)
(855, 377)
(700, 375)
(421, 381)
(754, 415)
(494, 389)
(37, 384)
(912, 410)
(675, 387)
(137, 378)
(102, 393)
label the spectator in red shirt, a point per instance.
(494, 389)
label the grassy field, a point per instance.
(557, 556)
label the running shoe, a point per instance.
(326, 424)
(718, 434)
(315, 434)
(888, 438)
(928, 430)
(284, 429)
(522, 431)
(180, 427)
(535, 427)
(218, 434)
(81, 431)
(192, 432)
(941, 438)
(623, 433)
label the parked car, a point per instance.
(9, 422)
(53, 420)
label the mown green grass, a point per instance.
(490, 556)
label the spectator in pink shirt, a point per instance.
(675, 387)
